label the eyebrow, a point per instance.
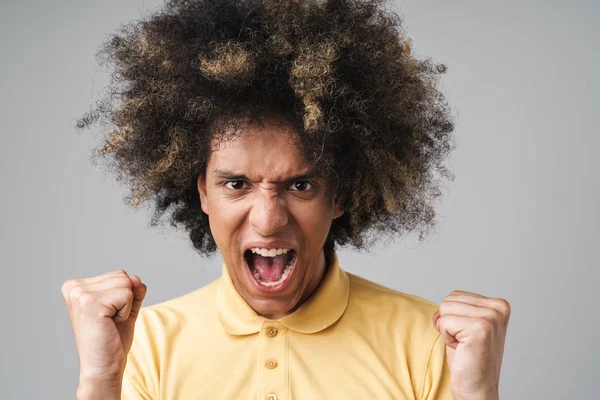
(228, 175)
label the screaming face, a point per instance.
(270, 215)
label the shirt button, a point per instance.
(272, 332)
(271, 396)
(271, 364)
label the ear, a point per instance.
(202, 191)
(337, 210)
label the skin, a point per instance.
(103, 310)
(269, 203)
(474, 329)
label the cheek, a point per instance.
(225, 219)
(314, 221)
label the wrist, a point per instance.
(491, 396)
(98, 390)
(488, 395)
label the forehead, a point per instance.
(270, 151)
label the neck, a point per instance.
(322, 265)
(315, 281)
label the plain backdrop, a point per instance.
(520, 220)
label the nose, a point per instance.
(269, 213)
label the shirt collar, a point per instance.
(321, 310)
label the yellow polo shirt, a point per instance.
(353, 339)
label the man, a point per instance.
(273, 131)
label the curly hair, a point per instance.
(369, 114)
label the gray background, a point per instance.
(520, 221)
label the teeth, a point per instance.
(269, 253)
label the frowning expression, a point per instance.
(270, 215)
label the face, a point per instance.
(269, 216)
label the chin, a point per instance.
(274, 308)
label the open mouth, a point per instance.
(270, 269)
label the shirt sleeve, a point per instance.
(436, 384)
(139, 380)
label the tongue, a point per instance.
(270, 269)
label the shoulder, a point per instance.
(170, 316)
(364, 289)
(401, 326)
(158, 329)
(387, 305)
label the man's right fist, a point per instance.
(103, 310)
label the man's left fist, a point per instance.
(474, 329)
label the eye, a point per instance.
(300, 186)
(235, 185)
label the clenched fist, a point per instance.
(474, 328)
(103, 310)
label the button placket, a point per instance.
(272, 331)
(273, 363)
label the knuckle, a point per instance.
(445, 307)
(127, 282)
(120, 272)
(122, 281)
(483, 326)
(493, 314)
(129, 295)
(85, 299)
(74, 293)
(502, 306)
(66, 288)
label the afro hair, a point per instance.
(369, 113)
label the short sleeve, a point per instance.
(436, 384)
(140, 378)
